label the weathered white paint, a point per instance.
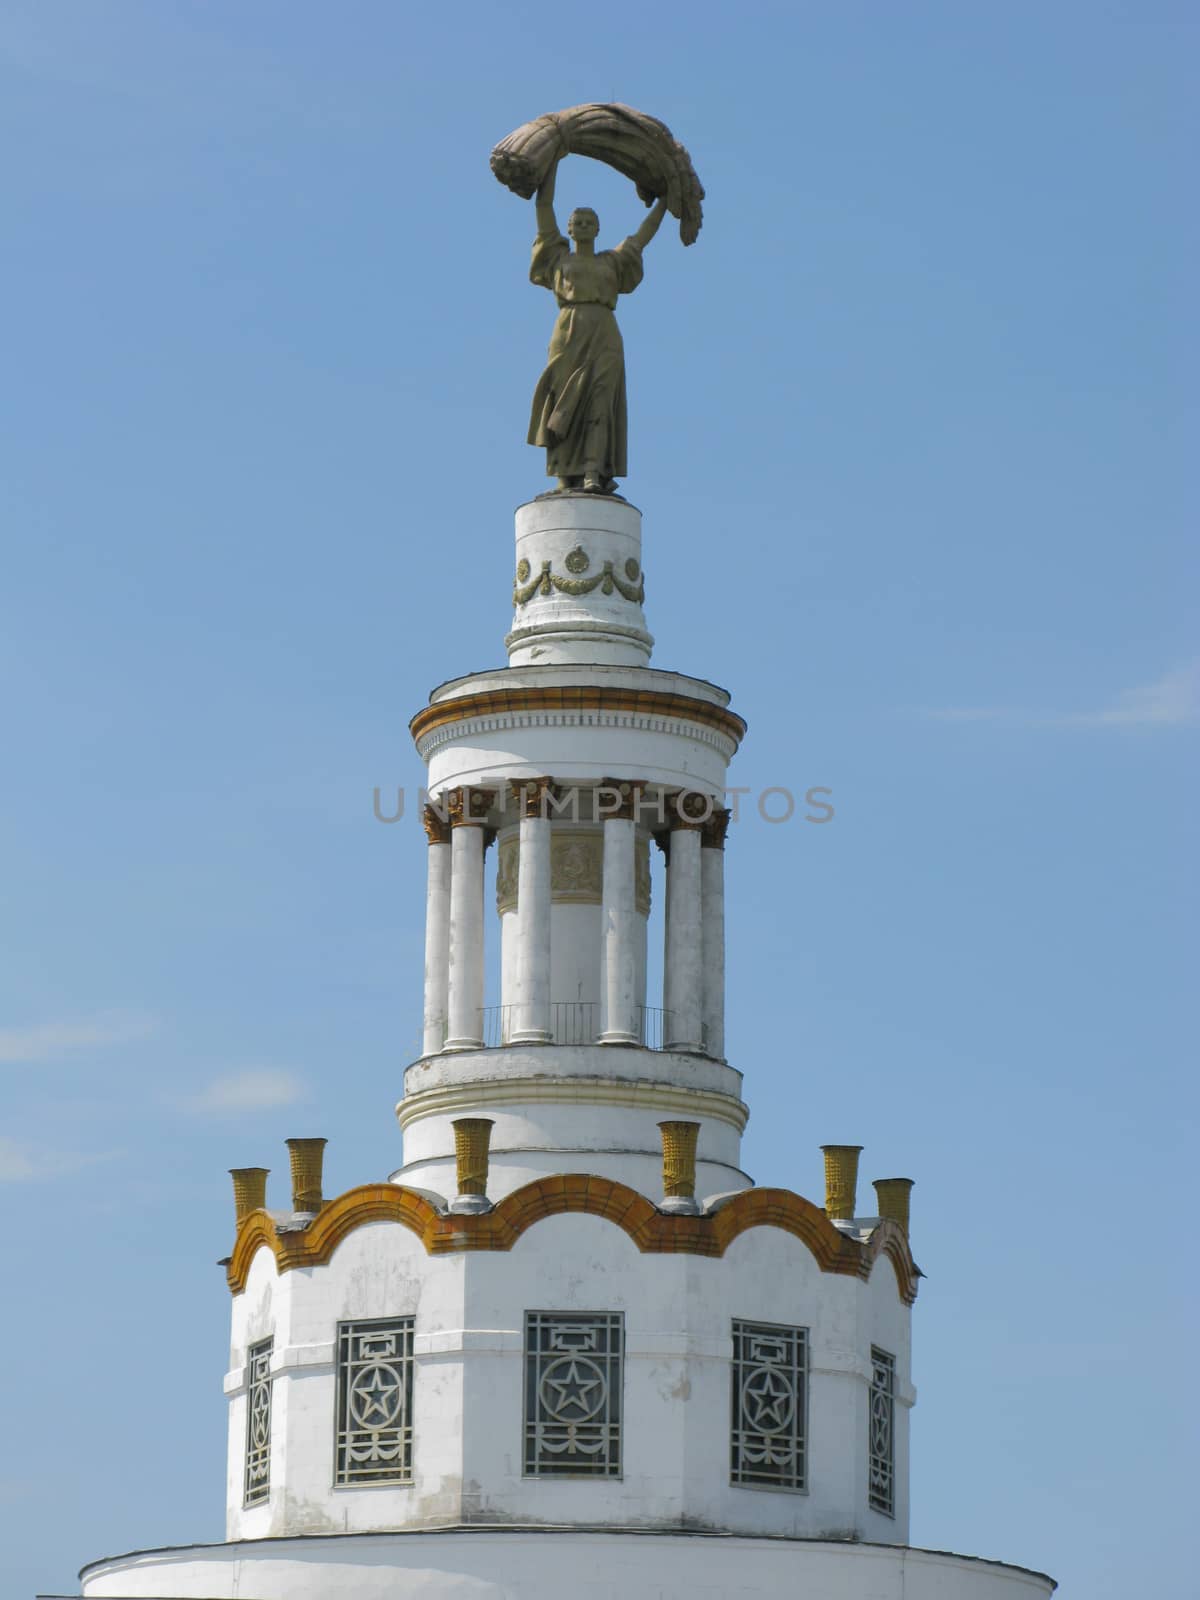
(712, 896)
(467, 1407)
(548, 1564)
(437, 947)
(594, 531)
(533, 993)
(578, 746)
(683, 981)
(620, 946)
(560, 1108)
(465, 980)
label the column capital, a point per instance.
(530, 796)
(714, 830)
(630, 792)
(689, 810)
(436, 825)
(469, 807)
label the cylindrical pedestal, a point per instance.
(578, 588)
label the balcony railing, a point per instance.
(572, 1022)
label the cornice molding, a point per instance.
(574, 701)
(664, 1097)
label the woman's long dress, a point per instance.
(579, 413)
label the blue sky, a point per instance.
(908, 426)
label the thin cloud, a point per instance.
(47, 1041)
(1173, 701)
(255, 1089)
(32, 1163)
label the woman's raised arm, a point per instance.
(651, 225)
(546, 220)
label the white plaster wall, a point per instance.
(531, 1565)
(575, 954)
(569, 1140)
(497, 747)
(469, 1314)
(571, 1109)
(513, 1169)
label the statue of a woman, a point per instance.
(579, 413)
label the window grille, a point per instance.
(882, 1483)
(258, 1422)
(573, 1381)
(767, 1437)
(374, 1402)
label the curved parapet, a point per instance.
(651, 1230)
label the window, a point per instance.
(770, 1374)
(258, 1422)
(374, 1402)
(882, 1481)
(573, 1394)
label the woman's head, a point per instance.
(583, 223)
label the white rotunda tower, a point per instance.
(568, 1348)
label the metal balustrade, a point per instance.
(571, 1022)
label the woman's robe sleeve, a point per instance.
(548, 250)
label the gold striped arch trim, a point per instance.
(652, 1231)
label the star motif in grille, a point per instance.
(376, 1398)
(767, 1400)
(570, 1384)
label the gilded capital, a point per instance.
(715, 830)
(469, 807)
(531, 796)
(622, 799)
(688, 809)
(436, 823)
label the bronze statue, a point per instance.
(579, 413)
(579, 410)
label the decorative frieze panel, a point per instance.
(576, 866)
(508, 860)
(641, 868)
(577, 870)
(573, 1381)
(258, 1422)
(882, 1462)
(374, 1402)
(770, 1405)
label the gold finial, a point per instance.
(892, 1198)
(472, 1136)
(841, 1180)
(307, 1156)
(679, 1158)
(249, 1190)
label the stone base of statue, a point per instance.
(579, 585)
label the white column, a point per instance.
(437, 931)
(530, 1020)
(683, 985)
(465, 987)
(619, 1020)
(712, 916)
